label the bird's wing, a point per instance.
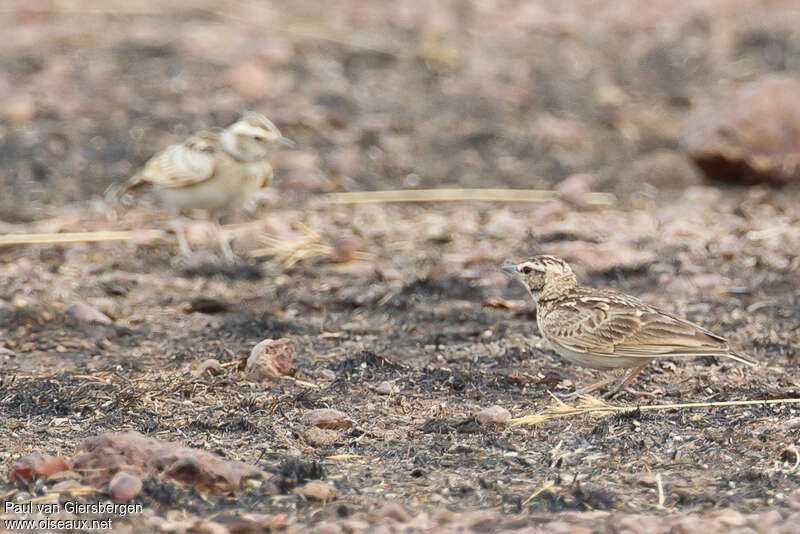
(618, 325)
(185, 164)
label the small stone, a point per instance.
(387, 387)
(317, 490)
(494, 414)
(792, 423)
(250, 79)
(396, 512)
(344, 249)
(36, 465)
(327, 418)
(85, 313)
(751, 138)
(327, 527)
(20, 109)
(732, 518)
(270, 359)
(210, 367)
(124, 486)
(319, 437)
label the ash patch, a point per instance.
(61, 396)
(237, 271)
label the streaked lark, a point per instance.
(606, 329)
(212, 170)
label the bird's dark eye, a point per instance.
(527, 269)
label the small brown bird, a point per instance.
(606, 329)
(212, 170)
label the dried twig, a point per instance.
(546, 487)
(660, 486)
(341, 457)
(592, 405)
(289, 251)
(80, 237)
(450, 195)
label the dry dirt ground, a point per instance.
(387, 95)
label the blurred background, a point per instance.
(489, 93)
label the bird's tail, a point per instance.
(117, 193)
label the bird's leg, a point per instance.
(633, 374)
(588, 389)
(180, 234)
(224, 243)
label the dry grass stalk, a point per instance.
(451, 195)
(290, 250)
(660, 486)
(588, 404)
(547, 486)
(341, 457)
(79, 237)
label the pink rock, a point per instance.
(751, 138)
(318, 491)
(83, 312)
(250, 79)
(208, 367)
(327, 418)
(494, 414)
(270, 359)
(124, 486)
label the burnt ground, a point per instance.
(384, 96)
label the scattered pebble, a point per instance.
(319, 437)
(387, 387)
(344, 248)
(327, 418)
(124, 486)
(396, 512)
(271, 358)
(792, 423)
(250, 79)
(494, 414)
(327, 527)
(20, 109)
(317, 490)
(36, 465)
(210, 367)
(83, 312)
(751, 138)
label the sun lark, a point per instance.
(212, 170)
(606, 329)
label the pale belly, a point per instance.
(212, 195)
(598, 361)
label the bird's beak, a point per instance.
(286, 142)
(510, 268)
